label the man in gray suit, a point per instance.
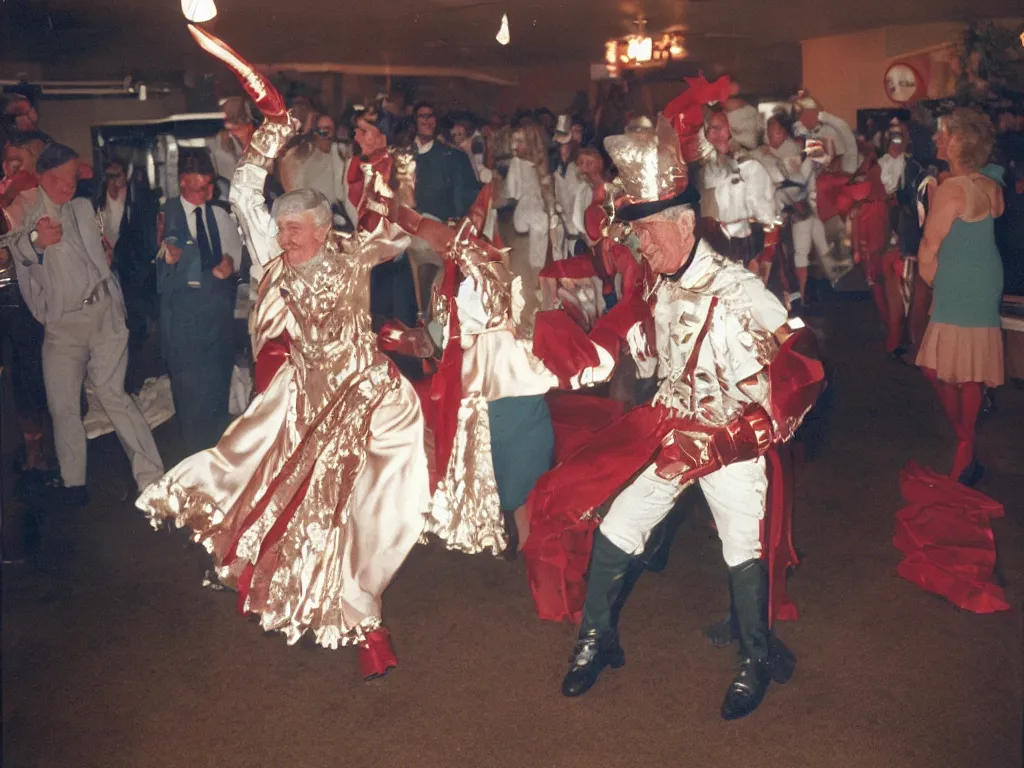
(67, 284)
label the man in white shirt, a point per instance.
(832, 140)
(794, 177)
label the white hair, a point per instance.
(304, 201)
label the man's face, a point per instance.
(369, 138)
(21, 158)
(426, 123)
(197, 188)
(809, 118)
(116, 179)
(60, 183)
(323, 133)
(718, 133)
(299, 237)
(776, 134)
(665, 243)
(459, 133)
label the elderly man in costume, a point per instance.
(313, 498)
(732, 385)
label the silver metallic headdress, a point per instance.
(652, 172)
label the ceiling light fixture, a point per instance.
(199, 11)
(639, 50)
(503, 36)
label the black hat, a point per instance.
(53, 156)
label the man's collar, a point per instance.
(422, 147)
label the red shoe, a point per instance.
(376, 656)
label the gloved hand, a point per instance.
(693, 453)
(396, 337)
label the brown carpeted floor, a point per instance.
(114, 656)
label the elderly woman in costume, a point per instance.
(313, 498)
(713, 336)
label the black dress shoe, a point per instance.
(747, 689)
(593, 652)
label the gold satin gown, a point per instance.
(314, 497)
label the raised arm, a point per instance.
(247, 189)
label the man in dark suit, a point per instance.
(446, 187)
(200, 252)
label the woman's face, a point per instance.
(718, 133)
(369, 138)
(519, 144)
(576, 133)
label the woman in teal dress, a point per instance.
(962, 349)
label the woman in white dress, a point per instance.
(531, 185)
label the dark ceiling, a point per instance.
(147, 37)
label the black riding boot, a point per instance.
(598, 642)
(762, 658)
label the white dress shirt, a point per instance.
(230, 238)
(113, 213)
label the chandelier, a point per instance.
(640, 50)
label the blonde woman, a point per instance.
(962, 349)
(531, 185)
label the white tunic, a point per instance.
(736, 192)
(567, 187)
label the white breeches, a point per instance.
(805, 233)
(736, 495)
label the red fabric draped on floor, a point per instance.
(945, 534)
